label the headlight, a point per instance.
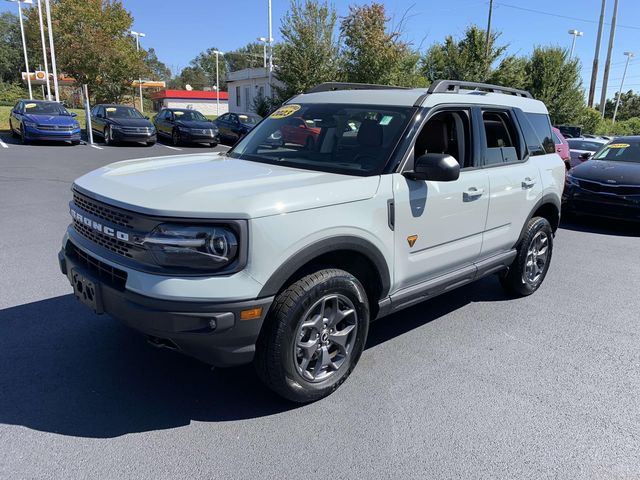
(196, 247)
(30, 124)
(184, 129)
(76, 125)
(570, 179)
(116, 127)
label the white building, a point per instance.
(203, 101)
(243, 86)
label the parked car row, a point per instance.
(32, 120)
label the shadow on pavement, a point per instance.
(67, 371)
(602, 226)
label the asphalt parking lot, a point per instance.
(469, 385)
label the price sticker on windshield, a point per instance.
(111, 109)
(619, 145)
(30, 105)
(285, 111)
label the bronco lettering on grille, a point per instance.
(108, 231)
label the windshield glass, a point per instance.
(122, 112)
(620, 151)
(189, 115)
(43, 108)
(340, 138)
(249, 119)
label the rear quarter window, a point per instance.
(542, 127)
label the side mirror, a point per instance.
(74, 114)
(585, 155)
(146, 118)
(438, 167)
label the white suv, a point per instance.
(348, 203)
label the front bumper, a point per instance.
(194, 137)
(32, 133)
(185, 326)
(578, 200)
(120, 136)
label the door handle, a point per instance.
(472, 193)
(528, 183)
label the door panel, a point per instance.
(448, 219)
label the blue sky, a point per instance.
(180, 30)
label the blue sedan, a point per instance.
(43, 120)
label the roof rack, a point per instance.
(454, 86)
(333, 86)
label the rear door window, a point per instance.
(501, 138)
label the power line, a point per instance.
(567, 17)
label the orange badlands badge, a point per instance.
(411, 239)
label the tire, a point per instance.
(13, 132)
(23, 137)
(175, 137)
(150, 144)
(75, 142)
(106, 135)
(309, 374)
(530, 267)
(213, 144)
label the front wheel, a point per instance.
(175, 137)
(213, 144)
(23, 136)
(530, 267)
(314, 336)
(13, 132)
(107, 136)
(150, 144)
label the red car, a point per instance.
(562, 147)
(299, 131)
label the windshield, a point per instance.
(587, 145)
(339, 138)
(620, 151)
(249, 119)
(42, 108)
(122, 112)
(190, 115)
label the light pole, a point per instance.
(52, 50)
(629, 55)
(264, 50)
(138, 35)
(24, 43)
(217, 52)
(270, 48)
(575, 34)
(44, 51)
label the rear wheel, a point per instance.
(530, 267)
(314, 336)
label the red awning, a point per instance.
(189, 94)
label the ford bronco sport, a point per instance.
(281, 252)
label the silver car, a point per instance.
(582, 149)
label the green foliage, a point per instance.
(511, 72)
(470, 59)
(249, 56)
(590, 120)
(93, 45)
(630, 126)
(555, 80)
(309, 52)
(10, 93)
(11, 59)
(629, 106)
(263, 106)
(374, 54)
(156, 70)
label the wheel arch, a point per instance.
(547, 207)
(353, 254)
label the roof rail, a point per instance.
(454, 86)
(333, 86)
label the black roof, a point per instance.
(627, 138)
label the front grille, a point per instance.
(609, 188)
(56, 128)
(102, 211)
(136, 130)
(114, 277)
(110, 243)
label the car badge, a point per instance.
(611, 181)
(411, 239)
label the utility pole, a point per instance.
(594, 70)
(629, 55)
(24, 45)
(607, 65)
(488, 36)
(52, 50)
(44, 51)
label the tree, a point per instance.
(471, 59)
(555, 80)
(511, 72)
(629, 106)
(309, 52)
(11, 60)
(590, 120)
(93, 45)
(155, 68)
(249, 56)
(372, 53)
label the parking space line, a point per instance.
(172, 148)
(3, 145)
(95, 146)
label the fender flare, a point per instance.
(328, 245)
(548, 198)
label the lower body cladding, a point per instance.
(621, 207)
(220, 334)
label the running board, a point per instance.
(420, 292)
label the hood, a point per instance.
(214, 186)
(605, 171)
(195, 124)
(131, 122)
(50, 119)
